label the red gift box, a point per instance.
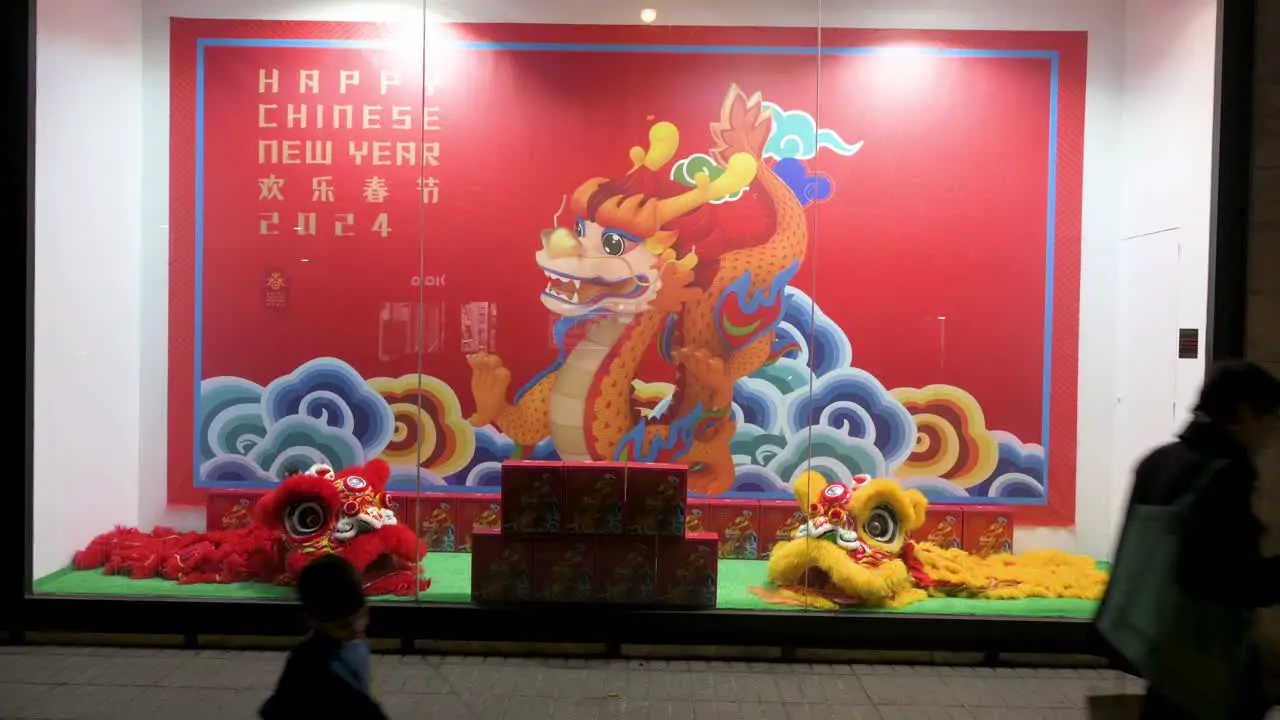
(476, 512)
(230, 510)
(656, 495)
(437, 521)
(737, 524)
(779, 519)
(687, 570)
(532, 496)
(501, 567)
(627, 569)
(987, 531)
(943, 526)
(594, 494)
(697, 516)
(564, 569)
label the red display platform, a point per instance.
(624, 539)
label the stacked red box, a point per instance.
(594, 494)
(687, 571)
(476, 512)
(501, 567)
(436, 519)
(627, 570)
(987, 530)
(532, 497)
(697, 516)
(564, 569)
(737, 525)
(595, 532)
(943, 526)
(655, 500)
(230, 510)
(779, 519)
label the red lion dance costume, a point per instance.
(316, 513)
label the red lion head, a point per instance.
(347, 512)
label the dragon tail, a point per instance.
(744, 126)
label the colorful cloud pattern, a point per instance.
(796, 138)
(325, 412)
(814, 410)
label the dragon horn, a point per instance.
(739, 173)
(664, 140)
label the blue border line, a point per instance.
(1050, 232)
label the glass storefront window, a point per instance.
(893, 289)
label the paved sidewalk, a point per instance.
(53, 682)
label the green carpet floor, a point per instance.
(450, 575)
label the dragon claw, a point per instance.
(674, 290)
(708, 370)
(489, 382)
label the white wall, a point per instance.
(88, 194)
(1168, 120)
(1135, 54)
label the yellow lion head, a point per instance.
(854, 550)
(851, 546)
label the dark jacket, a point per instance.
(319, 682)
(1220, 556)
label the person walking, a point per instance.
(1189, 571)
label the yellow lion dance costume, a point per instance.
(854, 551)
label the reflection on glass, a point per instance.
(689, 230)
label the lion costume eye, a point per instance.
(304, 519)
(881, 525)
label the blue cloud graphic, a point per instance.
(753, 479)
(1020, 471)
(332, 392)
(796, 135)
(753, 446)
(297, 442)
(1015, 485)
(758, 402)
(230, 417)
(492, 449)
(835, 455)
(817, 340)
(234, 469)
(808, 187)
(786, 375)
(936, 489)
(854, 403)
(486, 474)
(411, 478)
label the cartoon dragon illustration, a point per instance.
(650, 262)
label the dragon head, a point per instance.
(326, 507)
(853, 542)
(624, 231)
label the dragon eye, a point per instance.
(304, 519)
(355, 483)
(881, 525)
(613, 243)
(579, 228)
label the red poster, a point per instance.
(619, 243)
